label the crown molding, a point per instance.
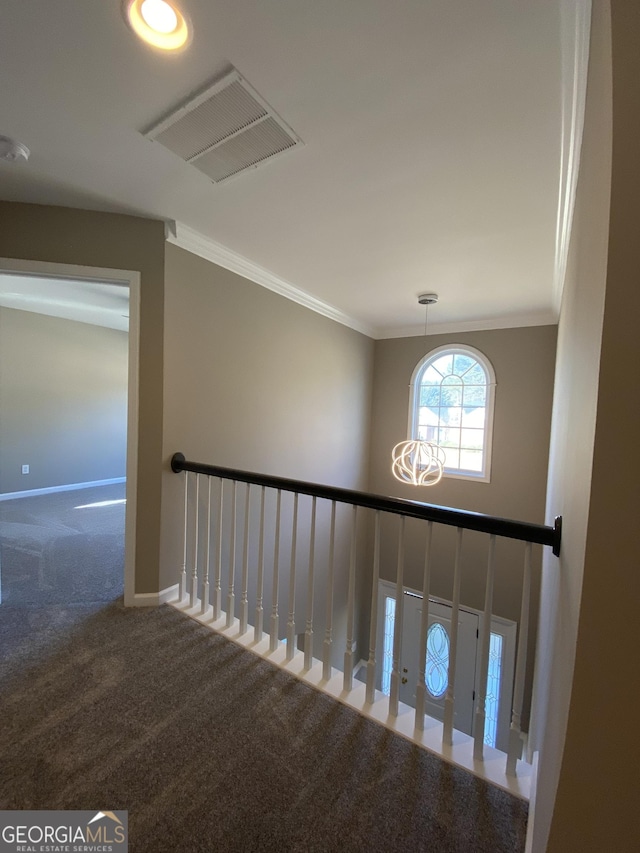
(575, 34)
(513, 321)
(193, 241)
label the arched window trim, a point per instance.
(483, 476)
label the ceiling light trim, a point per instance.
(173, 41)
(198, 244)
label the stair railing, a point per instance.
(206, 546)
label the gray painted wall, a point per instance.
(573, 432)
(523, 360)
(63, 401)
(255, 381)
(112, 241)
(586, 796)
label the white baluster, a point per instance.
(244, 597)
(291, 621)
(273, 641)
(485, 640)
(421, 690)
(373, 624)
(183, 573)
(257, 632)
(196, 526)
(217, 584)
(447, 731)
(308, 633)
(205, 585)
(231, 598)
(514, 751)
(328, 635)
(394, 696)
(348, 655)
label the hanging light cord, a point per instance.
(417, 461)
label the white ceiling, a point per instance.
(431, 162)
(97, 303)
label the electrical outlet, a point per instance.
(25, 469)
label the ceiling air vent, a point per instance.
(226, 129)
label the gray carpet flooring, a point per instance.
(61, 548)
(210, 748)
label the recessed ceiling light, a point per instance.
(160, 16)
(158, 22)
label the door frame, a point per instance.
(130, 279)
(506, 628)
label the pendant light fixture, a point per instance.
(415, 461)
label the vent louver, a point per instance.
(225, 130)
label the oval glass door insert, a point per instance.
(436, 673)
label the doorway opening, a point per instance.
(68, 438)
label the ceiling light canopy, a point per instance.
(158, 22)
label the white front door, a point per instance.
(437, 661)
(501, 661)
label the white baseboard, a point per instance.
(153, 599)
(30, 493)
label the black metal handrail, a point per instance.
(539, 533)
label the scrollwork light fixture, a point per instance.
(416, 461)
(420, 463)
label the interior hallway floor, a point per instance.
(210, 748)
(63, 548)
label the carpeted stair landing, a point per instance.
(210, 748)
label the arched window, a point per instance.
(452, 393)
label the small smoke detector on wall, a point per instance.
(12, 151)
